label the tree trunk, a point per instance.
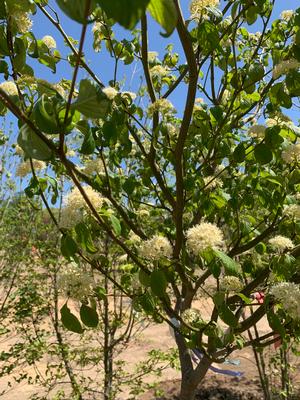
(191, 377)
(191, 381)
(187, 390)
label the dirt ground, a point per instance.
(157, 336)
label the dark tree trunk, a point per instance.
(191, 376)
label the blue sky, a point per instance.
(102, 64)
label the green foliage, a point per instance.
(32, 145)
(165, 13)
(177, 198)
(91, 101)
(125, 12)
(89, 316)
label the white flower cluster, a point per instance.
(49, 41)
(10, 88)
(286, 15)
(93, 167)
(199, 102)
(291, 153)
(159, 70)
(74, 282)
(164, 106)
(192, 316)
(257, 131)
(231, 284)
(284, 67)
(22, 21)
(134, 238)
(110, 92)
(75, 206)
(152, 56)
(292, 210)
(156, 248)
(281, 243)
(204, 236)
(211, 182)
(288, 294)
(24, 168)
(197, 7)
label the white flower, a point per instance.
(257, 131)
(286, 15)
(288, 294)
(231, 284)
(285, 67)
(159, 71)
(60, 90)
(132, 95)
(152, 56)
(134, 238)
(192, 316)
(10, 88)
(49, 41)
(281, 243)
(197, 7)
(93, 167)
(110, 92)
(22, 21)
(19, 151)
(211, 182)
(24, 168)
(199, 102)
(76, 207)
(156, 248)
(291, 153)
(74, 282)
(164, 106)
(204, 236)
(75, 199)
(292, 210)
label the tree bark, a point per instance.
(191, 381)
(190, 376)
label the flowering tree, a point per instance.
(209, 191)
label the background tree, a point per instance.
(209, 191)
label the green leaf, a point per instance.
(165, 13)
(231, 267)
(158, 283)
(88, 145)
(256, 72)
(84, 237)
(76, 9)
(144, 278)
(245, 299)
(100, 293)
(147, 303)
(44, 115)
(215, 269)
(91, 101)
(239, 153)
(116, 225)
(89, 316)
(275, 323)
(295, 177)
(69, 320)
(227, 315)
(219, 298)
(263, 154)
(126, 12)
(19, 60)
(32, 145)
(68, 246)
